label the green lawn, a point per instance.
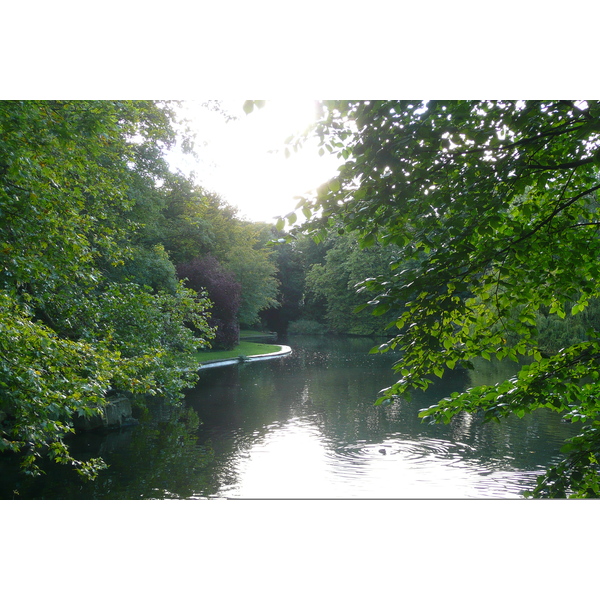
(242, 349)
(252, 333)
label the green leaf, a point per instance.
(380, 310)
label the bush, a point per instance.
(306, 327)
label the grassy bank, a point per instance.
(242, 349)
(246, 334)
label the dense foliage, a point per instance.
(86, 309)
(337, 284)
(95, 227)
(197, 224)
(322, 284)
(208, 274)
(494, 205)
(253, 265)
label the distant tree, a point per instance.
(223, 290)
(291, 278)
(338, 284)
(254, 267)
(196, 223)
(182, 226)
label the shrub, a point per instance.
(306, 327)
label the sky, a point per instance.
(243, 160)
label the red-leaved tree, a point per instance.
(224, 292)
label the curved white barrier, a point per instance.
(239, 359)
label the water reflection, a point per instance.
(304, 426)
(158, 459)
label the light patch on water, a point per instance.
(425, 468)
(294, 460)
(289, 462)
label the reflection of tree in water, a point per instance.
(159, 458)
(165, 461)
(528, 443)
(487, 372)
(344, 398)
(350, 410)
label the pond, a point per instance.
(304, 426)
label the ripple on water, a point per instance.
(423, 467)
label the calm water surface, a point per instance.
(304, 426)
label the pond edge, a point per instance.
(285, 350)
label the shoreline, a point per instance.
(284, 351)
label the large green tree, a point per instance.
(291, 271)
(254, 267)
(86, 309)
(495, 203)
(337, 281)
(196, 223)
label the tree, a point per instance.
(254, 267)
(338, 280)
(496, 205)
(181, 225)
(196, 224)
(289, 261)
(86, 309)
(224, 291)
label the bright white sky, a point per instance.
(244, 162)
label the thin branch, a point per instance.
(562, 194)
(547, 220)
(591, 223)
(571, 165)
(16, 186)
(521, 142)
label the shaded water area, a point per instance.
(304, 426)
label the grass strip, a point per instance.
(242, 349)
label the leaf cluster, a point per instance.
(87, 306)
(493, 205)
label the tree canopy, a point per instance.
(494, 205)
(87, 308)
(197, 224)
(208, 274)
(334, 283)
(96, 231)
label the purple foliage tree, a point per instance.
(224, 292)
